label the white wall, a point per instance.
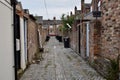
(7, 0)
(40, 39)
(6, 42)
(22, 43)
(25, 40)
(87, 39)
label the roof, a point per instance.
(78, 12)
(19, 6)
(32, 17)
(51, 22)
(87, 5)
(26, 11)
(39, 19)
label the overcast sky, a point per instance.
(54, 7)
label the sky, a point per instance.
(53, 8)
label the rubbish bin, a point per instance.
(60, 38)
(66, 42)
(57, 37)
(47, 38)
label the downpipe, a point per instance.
(13, 3)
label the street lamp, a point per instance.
(68, 25)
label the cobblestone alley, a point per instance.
(60, 63)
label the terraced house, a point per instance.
(96, 32)
(104, 44)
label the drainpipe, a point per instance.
(14, 24)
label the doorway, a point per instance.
(79, 40)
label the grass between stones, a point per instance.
(48, 63)
(69, 57)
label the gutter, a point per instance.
(13, 3)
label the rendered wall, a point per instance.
(6, 42)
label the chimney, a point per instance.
(71, 13)
(82, 5)
(54, 18)
(75, 9)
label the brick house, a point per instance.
(74, 33)
(93, 33)
(92, 36)
(86, 19)
(28, 36)
(78, 42)
(104, 34)
(96, 39)
(84, 50)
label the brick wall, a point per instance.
(83, 40)
(32, 39)
(91, 41)
(111, 28)
(106, 38)
(43, 34)
(73, 37)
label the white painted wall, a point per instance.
(22, 42)
(40, 39)
(7, 0)
(25, 40)
(87, 39)
(6, 42)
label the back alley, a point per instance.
(60, 64)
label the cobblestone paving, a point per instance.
(60, 64)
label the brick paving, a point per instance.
(60, 64)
